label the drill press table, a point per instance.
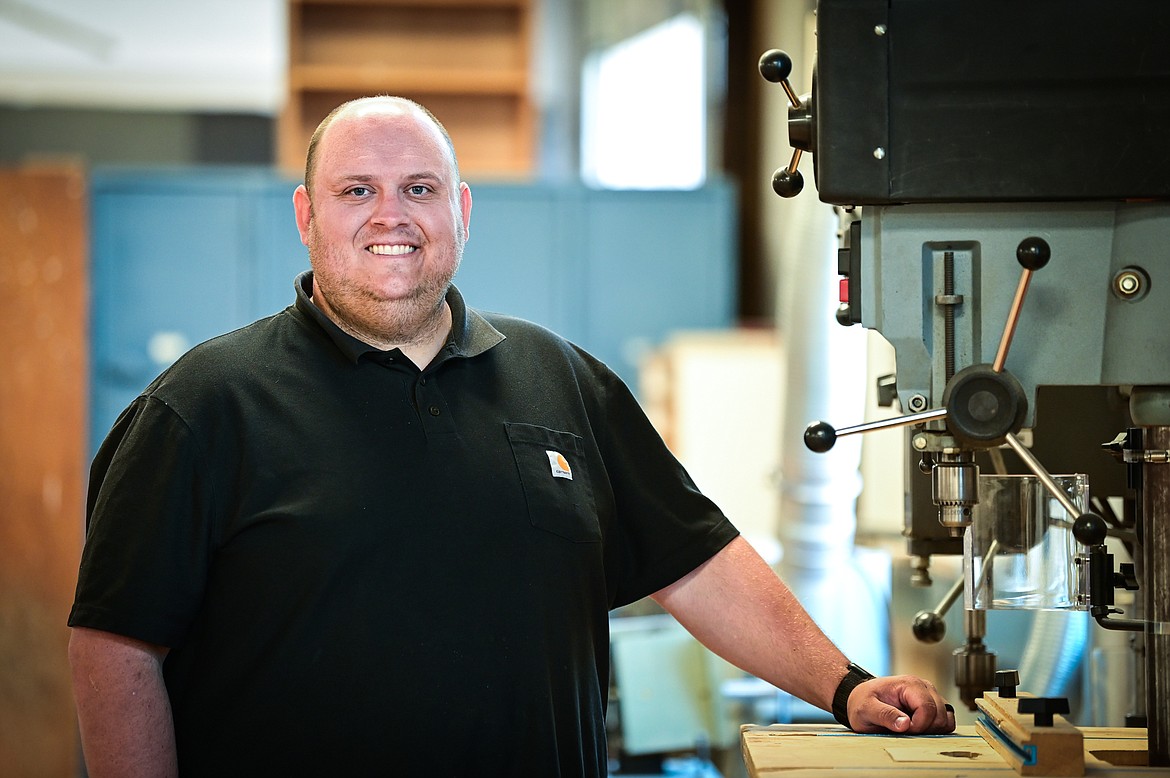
(830, 751)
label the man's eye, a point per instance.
(418, 189)
(359, 191)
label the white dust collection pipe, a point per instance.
(825, 380)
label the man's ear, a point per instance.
(465, 208)
(303, 208)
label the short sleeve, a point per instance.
(665, 527)
(148, 537)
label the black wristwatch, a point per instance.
(854, 677)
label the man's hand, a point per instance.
(902, 704)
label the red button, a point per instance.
(844, 290)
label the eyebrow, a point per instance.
(351, 178)
(365, 178)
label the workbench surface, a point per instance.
(821, 751)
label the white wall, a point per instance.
(210, 56)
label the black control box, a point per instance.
(992, 100)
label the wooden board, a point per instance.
(830, 751)
(43, 396)
(1030, 749)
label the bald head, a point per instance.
(386, 105)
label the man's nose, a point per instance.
(389, 210)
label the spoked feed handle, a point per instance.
(983, 405)
(776, 67)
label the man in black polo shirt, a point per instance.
(380, 532)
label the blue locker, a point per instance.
(518, 258)
(657, 262)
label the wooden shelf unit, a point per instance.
(468, 61)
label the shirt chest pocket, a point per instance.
(551, 465)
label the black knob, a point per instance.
(1006, 682)
(1090, 529)
(819, 436)
(929, 627)
(1043, 708)
(1033, 253)
(775, 65)
(787, 184)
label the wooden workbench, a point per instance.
(824, 751)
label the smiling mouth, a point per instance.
(392, 250)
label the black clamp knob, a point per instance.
(1043, 708)
(1006, 682)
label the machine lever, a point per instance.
(820, 435)
(1033, 253)
(982, 405)
(776, 66)
(1042, 474)
(930, 626)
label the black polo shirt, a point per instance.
(363, 568)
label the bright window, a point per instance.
(643, 112)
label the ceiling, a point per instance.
(207, 55)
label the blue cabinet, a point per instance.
(182, 256)
(178, 258)
(615, 272)
(655, 262)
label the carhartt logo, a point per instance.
(559, 465)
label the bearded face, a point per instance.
(385, 225)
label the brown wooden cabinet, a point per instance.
(466, 60)
(44, 268)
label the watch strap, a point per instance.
(855, 675)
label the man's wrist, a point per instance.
(855, 675)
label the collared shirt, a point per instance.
(364, 568)
(470, 333)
